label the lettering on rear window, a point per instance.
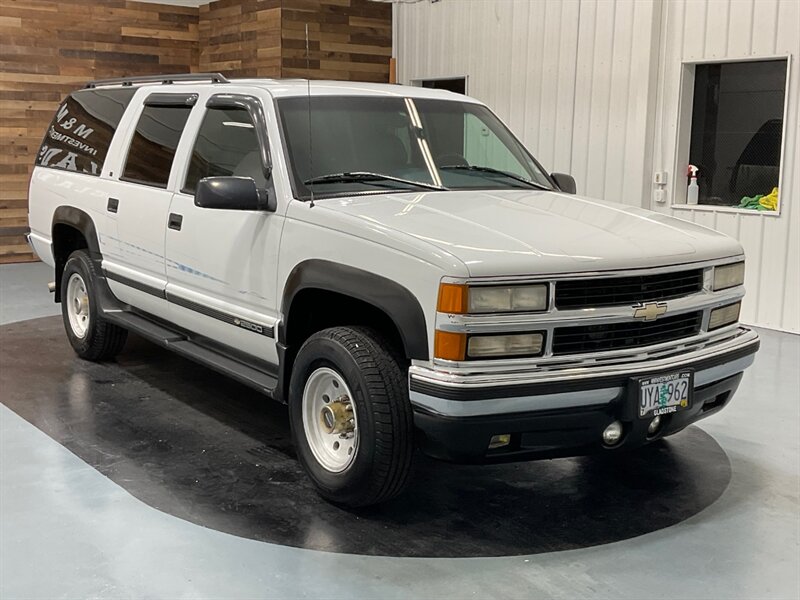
(80, 134)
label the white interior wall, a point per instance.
(566, 76)
(593, 89)
(701, 30)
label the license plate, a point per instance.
(664, 394)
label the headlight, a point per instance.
(728, 276)
(460, 299)
(724, 315)
(461, 346)
(490, 346)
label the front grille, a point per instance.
(591, 293)
(630, 334)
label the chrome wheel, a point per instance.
(77, 300)
(329, 420)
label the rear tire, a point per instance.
(351, 370)
(90, 335)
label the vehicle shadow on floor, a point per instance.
(195, 444)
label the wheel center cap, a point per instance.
(337, 417)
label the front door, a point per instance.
(222, 264)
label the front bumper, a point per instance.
(563, 414)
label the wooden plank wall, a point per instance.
(241, 38)
(348, 39)
(49, 47)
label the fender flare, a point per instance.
(82, 222)
(397, 302)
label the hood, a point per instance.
(538, 232)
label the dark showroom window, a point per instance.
(226, 144)
(153, 147)
(451, 84)
(737, 126)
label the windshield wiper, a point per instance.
(527, 182)
(367, 177)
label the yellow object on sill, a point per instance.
(770, 202)
(760, 202)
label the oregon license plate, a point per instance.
(664, 394)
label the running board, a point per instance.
(181, 344)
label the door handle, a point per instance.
(113, 205)
(175, 221)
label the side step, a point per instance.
(181, 344)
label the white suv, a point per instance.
(391, 262)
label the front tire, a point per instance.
(90, 335)
(351, 417)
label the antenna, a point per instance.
(310, 147)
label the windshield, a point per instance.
(364, 144)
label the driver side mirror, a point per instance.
(566, 183)
(232, 193)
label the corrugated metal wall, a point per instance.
(592, 87)
(698, 30)
(552, 70)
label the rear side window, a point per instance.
(153, 146)
(78, 138)
(226, 144)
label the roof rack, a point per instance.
(163, 79)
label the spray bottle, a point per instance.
(693, 191)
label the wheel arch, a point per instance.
(385, 295)
(72, 229)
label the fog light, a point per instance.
(612, 434)
(498, 441)
(655, 424)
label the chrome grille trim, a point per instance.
(627, 334)
(510, 322)
(537, 278)
(549, 364)
(704, 300)
(621, 291)
(512, 372)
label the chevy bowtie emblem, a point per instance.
(649, 311)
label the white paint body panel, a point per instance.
(501, 233)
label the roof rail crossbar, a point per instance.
(163, 79)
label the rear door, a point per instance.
(140, 199)
(222, 264)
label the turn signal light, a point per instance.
(453, 298)
(449, 345)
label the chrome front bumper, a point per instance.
(514, 386)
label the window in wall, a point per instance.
(452, 84)
(153, 146)
(736, 132)
(226, 144)
(80, 134)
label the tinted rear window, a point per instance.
(153, 146)
(81, 132)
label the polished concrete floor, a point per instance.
(83, 515)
